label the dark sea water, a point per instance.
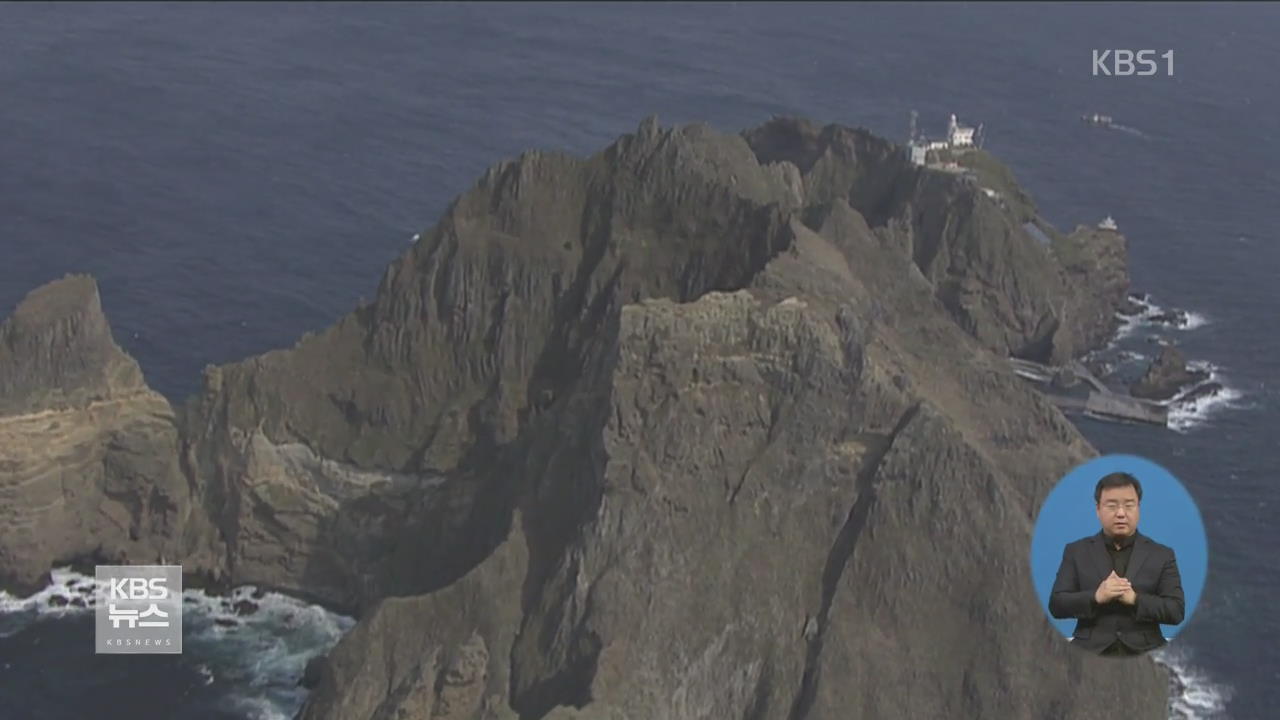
(237, 175)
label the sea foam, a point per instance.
(1186, 415)
(255, 658)
(1193, 696)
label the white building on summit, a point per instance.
(958, 136)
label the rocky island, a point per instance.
(704, 425)
(1167, 374)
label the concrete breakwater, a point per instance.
(1074, 388)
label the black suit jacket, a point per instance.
(1153, 573)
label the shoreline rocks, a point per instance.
(244, 607)
(1174, 318)
(1167, 374)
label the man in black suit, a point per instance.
(1120, 585)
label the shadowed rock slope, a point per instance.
(703, 425)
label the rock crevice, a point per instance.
(838, 559)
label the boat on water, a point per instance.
(1097, 119)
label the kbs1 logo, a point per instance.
(1123, 63)
(138, 609)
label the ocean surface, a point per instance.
(235, 175)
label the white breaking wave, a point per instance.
(1190, 414)
(1194, 320)
(1197, 697)
(256, 708)
(1128, 324)
(1130, 130)
(1185, 415)
(17, 613)
(258, 656)
(1128, 356)
(1185, 320)
(261, 654)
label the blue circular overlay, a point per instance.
(1168, 515)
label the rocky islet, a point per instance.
(705, 423)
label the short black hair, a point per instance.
(1115, 480)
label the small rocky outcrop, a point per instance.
(1100, 367)
(1175, 318)
(1166, 376)
(244, 607)
(88, 453)
(58, 355)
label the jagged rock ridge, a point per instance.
(689, 428)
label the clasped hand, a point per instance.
(1115, 587)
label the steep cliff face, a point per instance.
(748, 505)
(700, 426)
(58, 354)
(88, 454)
(352, 465)
(1096, 263)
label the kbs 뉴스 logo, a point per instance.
(138, 609)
